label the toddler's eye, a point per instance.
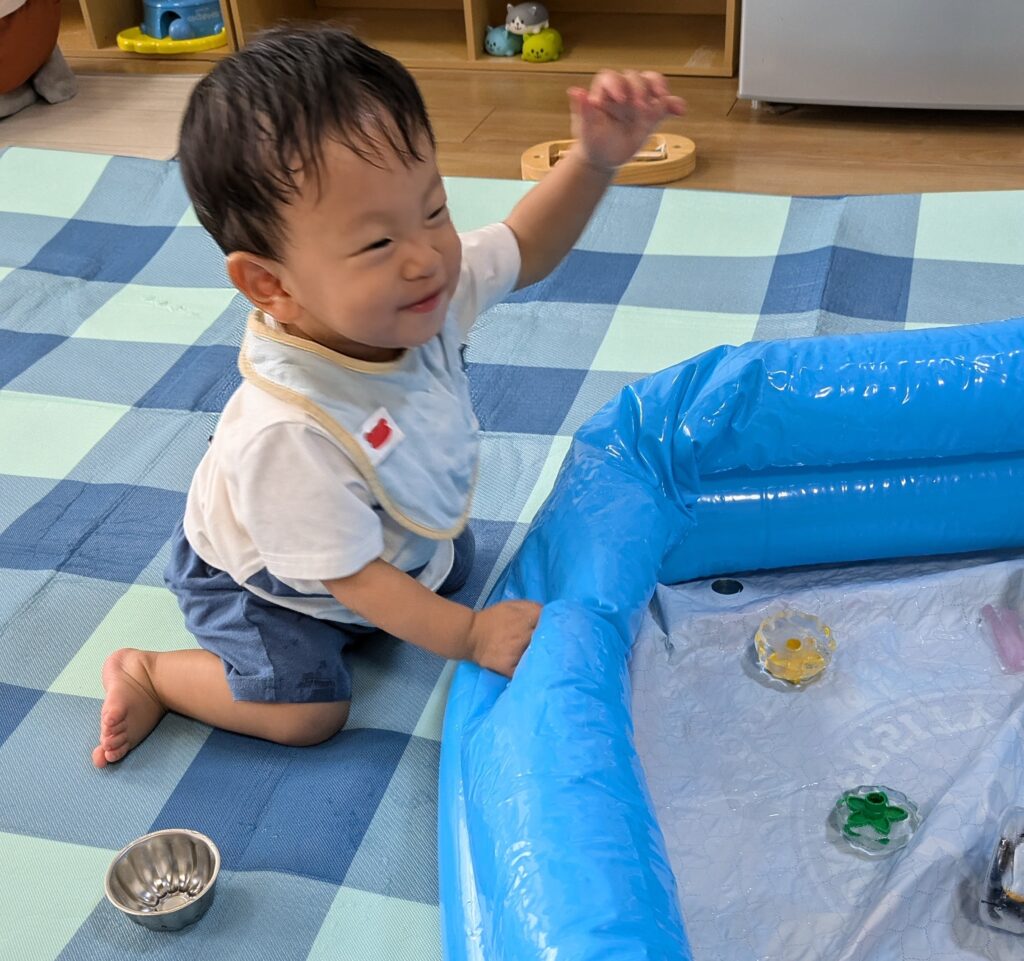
(379, 245)
(440, 210)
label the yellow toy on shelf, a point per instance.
(176, 26)
(133, 40)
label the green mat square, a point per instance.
(475, 203)
(146, 617)
(431, 721)
(71, 429)
(700, 223)
(983, 226)
(157, 314)
(373, 927)
(47, 889)
(47, 183)
(646, 339)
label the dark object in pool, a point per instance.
(726, 585)
(1002, 894)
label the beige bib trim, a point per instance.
(347, 441)
(260, 328)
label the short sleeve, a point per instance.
(304, 505)
(490, 269)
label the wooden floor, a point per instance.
(484, 122)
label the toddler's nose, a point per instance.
(423, 260)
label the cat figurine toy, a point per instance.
(542, 47)
(526, 18)
(500, 43)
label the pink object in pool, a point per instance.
(1006, 630)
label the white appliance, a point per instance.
(895, 53)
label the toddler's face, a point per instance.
(373, 258)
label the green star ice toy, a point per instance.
(876, 820)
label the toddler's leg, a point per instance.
(142, 686)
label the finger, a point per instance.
(676, 105)
(609, 85)
(577, 99)
(656, 83)
(637, 87)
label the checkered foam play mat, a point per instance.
(118, 335)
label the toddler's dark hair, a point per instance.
(261, 117)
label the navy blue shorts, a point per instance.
(271, 653)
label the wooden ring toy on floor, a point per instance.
(663, 158)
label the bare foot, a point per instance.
(131, 708)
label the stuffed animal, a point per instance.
(526, 18)
(500, 43)
(31, 66)
(542, 47)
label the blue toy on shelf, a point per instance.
(498, 42)
(181, 19)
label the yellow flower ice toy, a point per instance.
(793, 646)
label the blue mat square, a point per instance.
(61, 532)
(47, 304)
(17, 494)
(21, 351)
(301, 810)
(15, 703)
(542, 395)
(868, 286)
(391, 683)
(51, 790)
(728, 285)
(254, 917)
(584, 277)
(150, 446)
(114, 372)
(953, 292)
(64, 609)
(23, 236)
(798, 282)
(190, 258)
(842, 281)
(491, 538)
(627, 215)
(202, 379)
(98, 251)
(133, 191)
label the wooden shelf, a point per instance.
(418, 38)
(693, 45)
(90, 45)
(675, 37)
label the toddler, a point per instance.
(333, 498)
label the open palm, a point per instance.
(619, 112)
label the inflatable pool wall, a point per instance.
(772, 454)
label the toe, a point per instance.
(114, 743)
(98, 757)
(115, 754)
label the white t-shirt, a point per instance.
(276, 495)
(7, 7)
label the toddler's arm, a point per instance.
(494, 638)
(611, 121)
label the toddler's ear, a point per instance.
(259, 279)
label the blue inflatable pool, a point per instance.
(773, 454)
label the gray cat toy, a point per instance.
(526, 18)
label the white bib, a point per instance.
(408, 426)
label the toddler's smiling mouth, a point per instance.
(427, 304)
